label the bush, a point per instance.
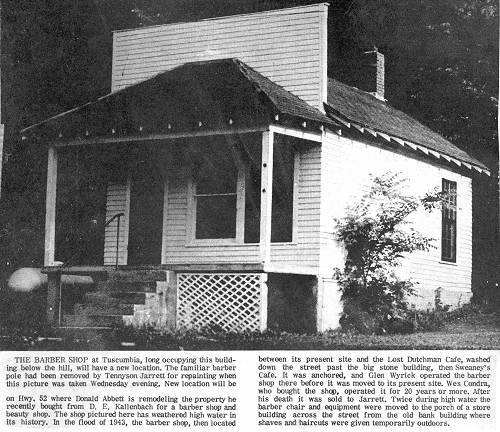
(432, 319)
(429, 320)
(376, 235)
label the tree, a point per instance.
(376, 234)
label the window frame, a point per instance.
(240, 212)
(449, 219)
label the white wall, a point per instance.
(286, 45)
(346, 165)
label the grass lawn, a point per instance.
(476, 331)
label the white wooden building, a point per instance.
(229, 153)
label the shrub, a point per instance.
(376, 235)
(429, 320)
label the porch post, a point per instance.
(263, 302)
(53, 298)
(50, 207)
(164, 222)
(317, 290)
(266, 196)
(171, 301)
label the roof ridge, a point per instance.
(271, 82)
(243, 68)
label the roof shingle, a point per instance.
(209, 93)
(366, 110)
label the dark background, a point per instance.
(441, 68)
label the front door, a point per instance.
(146, 216)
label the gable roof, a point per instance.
(363, 110)
(207, 94)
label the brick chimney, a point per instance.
(373, 73)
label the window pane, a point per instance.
(449, 221)
(216, 175)
(215, 178)
(216, 217)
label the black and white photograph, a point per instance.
(314, 185)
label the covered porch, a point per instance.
(193, 186)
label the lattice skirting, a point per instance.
(234, 302)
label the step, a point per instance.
(137, 275)
(113, 298)
(118, 309)
(130, 298)
(126, 286)
(91, 321)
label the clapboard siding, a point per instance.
(232, 24)
(288, 46)
(180, 50)
(117, 201)
(332, 254)
(346, 166)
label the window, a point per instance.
(215, 198)
(449, 221)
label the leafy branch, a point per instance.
(376, 233)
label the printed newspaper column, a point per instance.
(415, 390)
(78, 390)
(247, 391)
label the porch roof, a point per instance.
(199, 96)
